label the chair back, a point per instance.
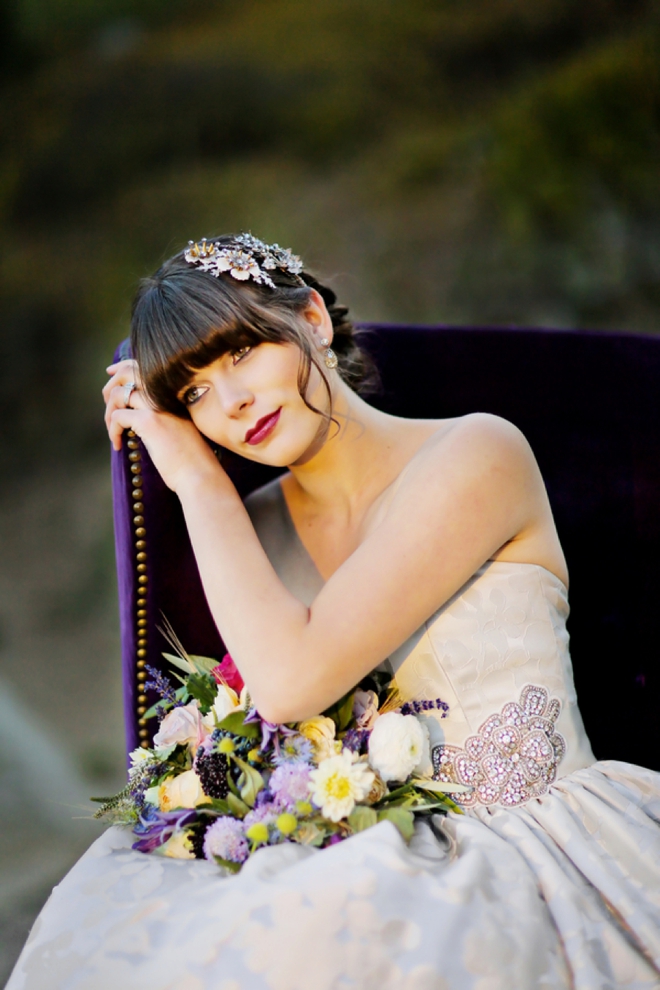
(589, 404)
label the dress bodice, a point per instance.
(496, 653)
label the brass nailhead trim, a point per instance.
(135, 458)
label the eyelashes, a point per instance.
(195, 392)
(238, 355)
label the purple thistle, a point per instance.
(290, 783)
(417, 707)
(226, 838)
(161, 685)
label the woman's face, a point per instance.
(248, 401)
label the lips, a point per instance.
(263, 428)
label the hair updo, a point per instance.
(184, 318)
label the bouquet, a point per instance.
(221, 782)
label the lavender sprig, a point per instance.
(417, 707)
(161, 685)
(356, 740)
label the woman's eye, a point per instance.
(236, 356)
(193, 395)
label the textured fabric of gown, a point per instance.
(553, 882)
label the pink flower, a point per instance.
(183, 725)
(226, 672)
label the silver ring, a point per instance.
(129, 388)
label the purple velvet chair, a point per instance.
(589, 404)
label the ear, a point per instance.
(318, 319)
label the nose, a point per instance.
(234, 398)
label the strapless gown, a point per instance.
(549, 880)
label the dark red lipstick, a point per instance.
(263, 428)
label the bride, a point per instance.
(426, 546)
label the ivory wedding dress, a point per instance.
(551, 878)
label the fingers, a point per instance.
(116, 399)
(122, 419)
(121, 373)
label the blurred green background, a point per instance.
(490, 162)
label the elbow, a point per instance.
(283, 707)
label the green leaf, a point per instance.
(202, 687)
(158, 707)
(203, 665)
(438, 786)
(180, 663)
(250, 782)
(396, 794)
(402, 818)
(309, 834)
(216, 805)
(341, 712)
(237, 807)
(228, 864)
(234, 723)
(362, 817)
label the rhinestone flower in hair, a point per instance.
(246, 257)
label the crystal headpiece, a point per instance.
(245, 257)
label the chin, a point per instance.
(279, 453)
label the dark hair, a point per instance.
(184, 319)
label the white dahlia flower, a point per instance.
(398, 744)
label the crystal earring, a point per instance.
(331, 360)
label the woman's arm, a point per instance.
(463, 498)
(472, 489)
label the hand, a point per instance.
(114, 392)
(175, 445)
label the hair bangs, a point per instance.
(182, 323)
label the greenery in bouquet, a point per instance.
(220, 781)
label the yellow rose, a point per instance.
(177, 847)
(184, 791)
(320, 730)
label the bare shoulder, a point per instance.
(474, 445)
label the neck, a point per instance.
(356, 461)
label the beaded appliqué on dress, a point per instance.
(513, 757)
